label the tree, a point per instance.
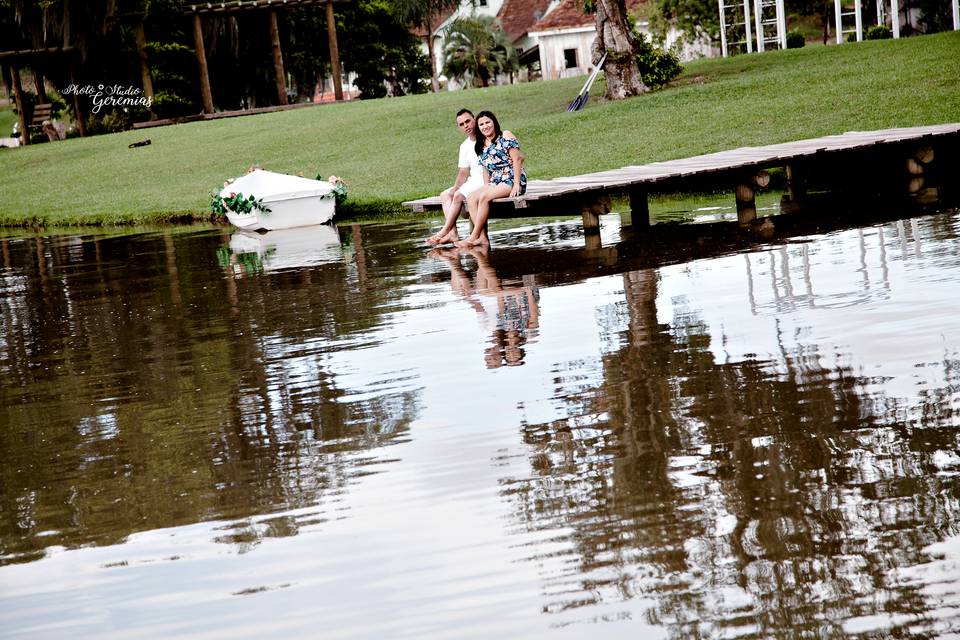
(476, 48)
(381, 50)
(694, 18)
(615, 38)
(424, 14)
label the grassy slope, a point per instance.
(7, 118)
(395, 149)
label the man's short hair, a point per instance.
(463, 111)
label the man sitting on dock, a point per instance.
(469, 178)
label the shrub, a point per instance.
(657, 67)
(878, 32)
(795, 39)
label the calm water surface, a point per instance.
(334, 433)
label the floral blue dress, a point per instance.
(496, 160)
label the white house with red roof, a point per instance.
(555, 33)
(565, 35)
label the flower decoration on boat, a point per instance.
(235, 202)
(339, 187)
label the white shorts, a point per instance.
(471, 185)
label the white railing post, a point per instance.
(859, 21)
(746, 24)
(758, 17)
(782, 24)
(895, 18)
(838, 19)
(956, 15)
(723, 29)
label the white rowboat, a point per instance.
(293, 201)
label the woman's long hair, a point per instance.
(481, 139)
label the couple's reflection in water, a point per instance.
(510, 310)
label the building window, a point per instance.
(482, 3)
(570, 58)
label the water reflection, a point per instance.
(509, 310)
(250, 252)
(143, 389)
(710, 435)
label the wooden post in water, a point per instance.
(591, 210)
(796, 183)
(205, 92)
(639, 208)
(916, 168)
(277, 58)
(591, 220)
(746, 203)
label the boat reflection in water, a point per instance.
(252, 252)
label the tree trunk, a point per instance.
(334, 53)
(280, 77)
(615, 38)
(434, 80)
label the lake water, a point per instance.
(334, 433)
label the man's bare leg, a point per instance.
(451, 203)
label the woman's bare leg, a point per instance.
(480, 211)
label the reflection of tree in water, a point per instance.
(144, 389)
(738, 500)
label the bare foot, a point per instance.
(473, 242)
(451, 236)
(436, 238)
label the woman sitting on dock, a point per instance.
(503, 174)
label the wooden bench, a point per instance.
(41, 112)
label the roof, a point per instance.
(421, 33)
(518, 16)
(569, 15)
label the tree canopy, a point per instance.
(374, 42)
(476, 50)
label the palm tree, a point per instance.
(424, 14)
(477, 49)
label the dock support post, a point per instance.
(746, 204)
(591, 221)
(591, 210)
(639, 208)
(916, 168)
(796, 183)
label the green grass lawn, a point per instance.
(401, 148)
(7, 118)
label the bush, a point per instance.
(878, 32)
(795, 39)
(657, 67)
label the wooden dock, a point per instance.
(899, 155)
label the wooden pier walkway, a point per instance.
(889, 153)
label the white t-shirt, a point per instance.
(468, 158)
